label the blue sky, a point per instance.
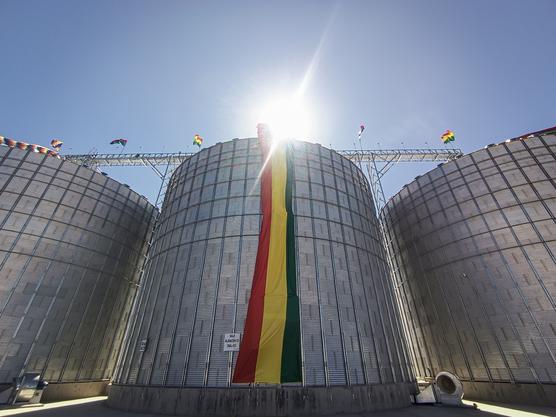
(157, 72)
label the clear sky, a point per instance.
(157, 72)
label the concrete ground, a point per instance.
(95, 407)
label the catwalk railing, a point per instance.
(376, 162)
(365, 155)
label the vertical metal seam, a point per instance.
(151, 263)
(202, 269)
(344, 247)
(405, 306)
(168, 251)
(347, 369)
(317, 275)
(189, 245)
(387, 288)
(373, 281)
(139, 272)
(220, 258)
(146, 330)
(239, 254)
(298, 269)
(354, 178)
(124, 292)
(405, 361)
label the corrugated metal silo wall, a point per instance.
(200, 272)
(474, 245)
(71, 245)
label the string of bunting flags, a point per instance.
(12, 143)
(57, 145)
(447, 137)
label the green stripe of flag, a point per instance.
(291, 350)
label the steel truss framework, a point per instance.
(376, 162)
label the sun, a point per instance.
(287, 117)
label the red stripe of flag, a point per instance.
(249, 349)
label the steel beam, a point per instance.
(370, 155)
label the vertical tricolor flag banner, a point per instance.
(270, 350)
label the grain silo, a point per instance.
(473, 244)
(198, 282)
(71, 245)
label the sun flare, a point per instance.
(287, 118)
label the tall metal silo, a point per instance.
(473, 243)
(71, 245)
(198, 283)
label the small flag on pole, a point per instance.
(448, 136)
(197, 140)
(56, 143)
(122, 142)
(361, 129)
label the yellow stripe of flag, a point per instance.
(274, 317)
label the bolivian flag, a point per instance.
(56, 143)
(448, 136)
(270, 350)
(197, 140)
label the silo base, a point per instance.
(260, 401)
(63, 391)
(532, 394)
